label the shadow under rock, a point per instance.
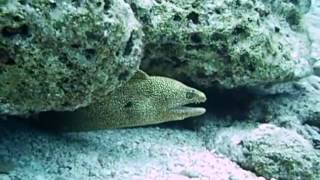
(224, 104)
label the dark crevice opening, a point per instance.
(194, 17)
(221, 103)
(5, 58)
(11, 32)
(129, 46)
(107, 5)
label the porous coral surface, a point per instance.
(220, 43)
(60, 55)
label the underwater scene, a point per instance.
(159, 89)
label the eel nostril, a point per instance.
(190, 95)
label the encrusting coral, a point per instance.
(62, 55)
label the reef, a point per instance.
(62, 55)
(266, 149)
(221, 43)
(257, 62)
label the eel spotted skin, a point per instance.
(143, 100)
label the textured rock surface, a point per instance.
(279, 153)
(62, 54)
(300, 100)
(226, 43)
(313, 26)
(292, 105)
(140, 153)
(267, 150)
(291, 10)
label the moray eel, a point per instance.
(143, 100)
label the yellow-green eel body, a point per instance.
(143, 100)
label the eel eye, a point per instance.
(190, 95)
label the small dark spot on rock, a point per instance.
(194, 17)
(238, 30)
(10, 32)
(195, 38)
(5, 58)
(155, 62)
(129, 46)
(217, 11)
(195, 47)
(276, 29)
(243, 58)
(17, 18)
(316, 143)
(90, 53)
(124, 76)
(93, 35)
(195, 4)
(251, 67)
(177, 17)
(76, 3)
(176, 62)
(107, 5)
(98, 4)
(223, 50)
(134, 8)
(76, 46)
(128, 105)
(53, 5)
(23, 2)
(216, 36)
(159, 1)
(238, 3)
(201, 74)
(262, 13)
(294, 17)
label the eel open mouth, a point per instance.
(185, 110)
(189, 111)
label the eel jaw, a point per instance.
(182, 111)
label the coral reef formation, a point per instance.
(299, 100)
(219, 43)
(61, 55)
(267, 150)
(291, 10)
(150, 153)
(257, 61)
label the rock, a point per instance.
(61, 55)
(292, 11)
(301, 100)
(225, 43)
(269, 151)
(279, 153)
(294, 105)
(136, 153)
(312, 22)
(316, 68)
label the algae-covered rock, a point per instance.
(313, 26)
(227, 43)
(60, 55)
(270, 151)
(291, 10)
(279, 153)
(300, 99)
